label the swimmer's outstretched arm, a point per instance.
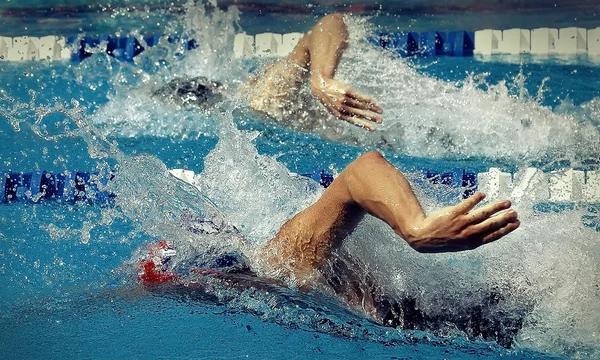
(372, 185)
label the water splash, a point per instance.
(550, 262)
(424, 116)
(433, 118)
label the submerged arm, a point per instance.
(372, 185)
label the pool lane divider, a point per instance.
(125, 48)
(68, 187)
(561, 186)
(21, 48)
(540, 41)
(566, 185)
(77, 48)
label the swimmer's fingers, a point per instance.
(358, 122)
(363, 105)
(492, 224)
(349, 117)
(369, 102)
(497, 234)
(468, 204)
(359, 113)
(486, 212)
(477, 239)
(355, 121)
(351, 93)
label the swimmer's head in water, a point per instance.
(198, 91)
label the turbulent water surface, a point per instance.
(110, 119)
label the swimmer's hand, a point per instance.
(346, 103)
(459, 227)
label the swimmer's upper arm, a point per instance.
(306, 239)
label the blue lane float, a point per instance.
(429, 43)
(124, 48)
(69, 187)
(152, 40)
(321, 177)
(403, 43)
(432, 43)
(456, 178)
(460, 43)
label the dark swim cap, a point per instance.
(198, 91)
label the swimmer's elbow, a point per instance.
(356, 171)
(370, 158)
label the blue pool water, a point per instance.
(66, 270)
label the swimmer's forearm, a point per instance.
(326, 45)
(320, 50)
(371, 184)
(378, 188)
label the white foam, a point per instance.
(427, 117)
(235, 176)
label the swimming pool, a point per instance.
(68, 284)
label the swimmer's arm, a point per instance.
(372, 185)
(377, 187)
(325, 45)
(320, 51)
(321, 48)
